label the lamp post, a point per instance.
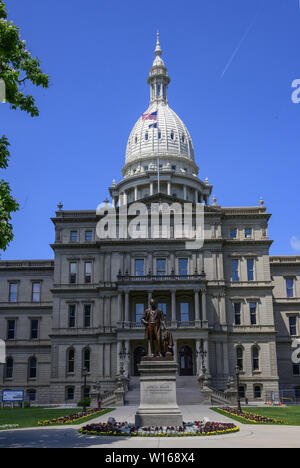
(84, 373)
(237, 371)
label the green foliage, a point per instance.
(17, 68)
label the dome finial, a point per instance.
(158, 50)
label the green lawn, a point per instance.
(29, 417)
(289, 415)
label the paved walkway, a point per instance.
(250, 436)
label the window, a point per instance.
(146, 168)
(139, 312)
(289, 287)
(32, 368)
(183, 139)
(172, 135)
(242, 391)
(253, 316)
(240, 357)
(73, 272)
(87, 359)
(139, 267)
(36, 288)
(158, 89)
(296, 369)
(293, 325)
(255, 358)
(173, 168)
(87, 316)
(235, 270)
(161, 267)
(87, 272)
(163, 306)
(11, 327)
(73, 236)
(13, 292)
(250, 269)
(31, 395)
(184, 312)
(233, 233)
(70, 393)
(248, 233)
(88, 235)
(257, 391)
(71, 361)
(34, 329)
(72, 316)
(146, 136)
(183, 266)
(136, 140)
(9, 367)
(237, 313)
(159, 134)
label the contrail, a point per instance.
(242, 39)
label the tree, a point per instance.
(17, 68)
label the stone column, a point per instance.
(135, 193)
(169, 188)
(225, 356)
(197, 308)
(173, 302)
(198, 358)
(119, 347)
(127, 359)
(196, 196)
(127, 308)
(204, 309)
(151, 188)
(184, 192)
(120, 307)
(206, 359)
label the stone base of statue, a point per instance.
(158, 404)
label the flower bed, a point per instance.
(197, 428)
(249, 417)
(73, 418)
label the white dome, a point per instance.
(170, 139)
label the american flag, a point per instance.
(152, 116)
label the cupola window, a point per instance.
(159, 135)
(158, 90)
(146, 136)
(172, 135)
(136, 140)
(183, 139)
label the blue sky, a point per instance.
(231, 63)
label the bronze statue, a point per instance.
(155, 323)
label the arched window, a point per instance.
(9, 368)
(183, 139)
(172, 135)
(146, 136)
(136, 140)
(87, 359)
(71, 360)
(255, 358)
(239, 357)
(32, 365)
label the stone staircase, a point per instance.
(188, 391)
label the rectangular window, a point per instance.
(250, 269)
(183, 266)
(73, 272)
(293, 325)
(73, 236)
(11, 328)
(139, 312)
(70, 394)
(87, 316)
(88, 272)
(248, 233)
(146, 168)
(36, 287)
(34, 329)
(13, 292)
(289, 287)
(237, 313)
(257, 391)
(88, 235)
(161, 267)
(233, 233)
(184, 312)
(296, 369)
(173, 168)
(235, 270)
(72, 316)
(163, 306)
(139, 268)
(253, 316)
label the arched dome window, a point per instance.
(136, 140)
(183, 139)
(146, 136)
(159, 134)
(172, 135)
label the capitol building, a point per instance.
(227, 303)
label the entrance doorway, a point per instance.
(139, 352)
(186, 360)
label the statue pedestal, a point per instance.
(158, 405)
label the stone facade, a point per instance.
(226, 303)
